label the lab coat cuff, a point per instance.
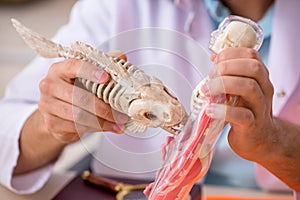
(10, 134)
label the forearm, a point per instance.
(282, 155)
(37, 146)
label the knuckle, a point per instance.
(50, 123)
(42, 104)
(72, 65)
(248, 118)
(251, 53)
(256, 67)
(54, 67)
(45, 85)
(260, 97)
(69, 65)
(77, 114)
(271, 90)
(72, 62)
(251, 85)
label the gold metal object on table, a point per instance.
(120, 188)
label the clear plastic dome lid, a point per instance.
(236, 31)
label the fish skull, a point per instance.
(156, 107)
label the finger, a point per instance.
(72, 113)
(85, 118)
(213, 56)
(235, 115)
(78, 122)
(89, 102)
(117, 54)
(233, 53)
(66, 131)
(66, 137)
(66, 111)
(74, 68)
(78, 97)
(250, 68)
(56, 124)
(247, 88)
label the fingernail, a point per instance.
(101, 76)
(118, 128)
(213, 56)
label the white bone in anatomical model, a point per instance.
(236, 34)
(143, 98)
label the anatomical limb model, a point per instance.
(187, 156)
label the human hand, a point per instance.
(69, 111)
(241, 72)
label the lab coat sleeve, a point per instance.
(88, 23)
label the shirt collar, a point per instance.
(218, 11)
(266, 22)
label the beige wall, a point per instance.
(44, 16)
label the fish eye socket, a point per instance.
(150, 116)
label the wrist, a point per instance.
(37, 146)
(268, 148)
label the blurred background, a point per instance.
(43, 16)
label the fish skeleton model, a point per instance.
(143, 98)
